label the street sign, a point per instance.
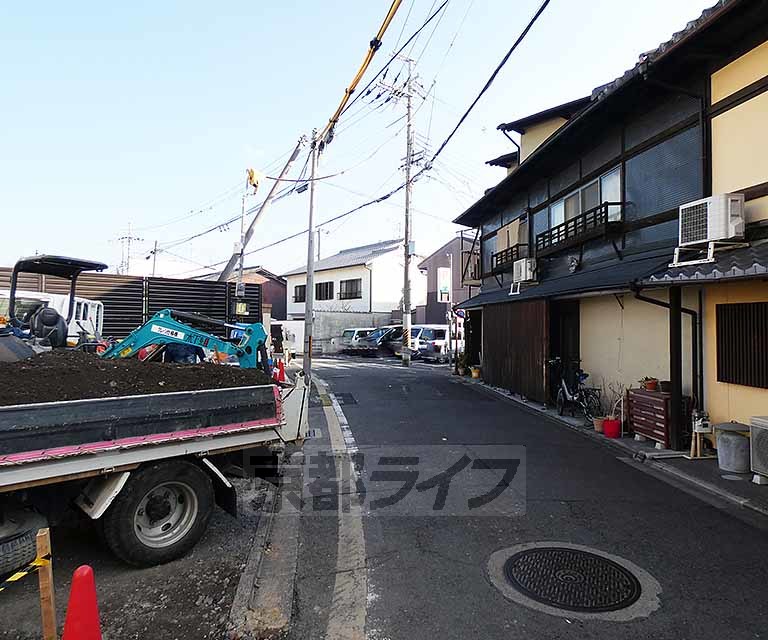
(443, 284)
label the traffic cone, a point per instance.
(281, 369)
(82, 621)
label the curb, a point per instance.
(733, 498)
(237, 626)
(264, 597)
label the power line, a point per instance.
(490, 80)
(395, 55)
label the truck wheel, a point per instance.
(17, 538)
(160, 514)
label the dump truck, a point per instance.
(148, 470)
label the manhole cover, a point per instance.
(572, 579)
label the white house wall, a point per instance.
(335, 276)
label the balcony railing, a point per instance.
(504, 259)
(594, 223)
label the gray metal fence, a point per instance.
(129, 301)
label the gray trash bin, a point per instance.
(732, 451)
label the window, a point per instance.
(300, 293)
(78, 310)
(348, 333)
(488, 247)
(572, 203)
(607, 188)
(84, 316)
(610, 191)
(742, 343)
(439, 334)
(590, 196)
(557, 213)
(350, 289)
(324, 291)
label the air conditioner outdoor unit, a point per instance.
(758, 441)
(719, 217)
(524, 270)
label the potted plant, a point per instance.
(462, 364)
(649, 384)
(612, 422)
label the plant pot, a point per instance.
(612, 428)
(650, 385)
(476, 372)
(462, 371)
(598, 424)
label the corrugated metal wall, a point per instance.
(515, 345)
(130, 300)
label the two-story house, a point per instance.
(357, 287)
(569, 240)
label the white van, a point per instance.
(87, 315)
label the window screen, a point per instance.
(742, 343)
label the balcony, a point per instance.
(470, 268)
(504, 259)
(595, 223)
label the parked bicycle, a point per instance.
(574, 393)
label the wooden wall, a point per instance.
(515, 346)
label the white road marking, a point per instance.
(346, 620)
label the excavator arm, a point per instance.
(163, 328)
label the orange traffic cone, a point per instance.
(281, 369)
(82, 621)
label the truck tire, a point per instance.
(160, 514)
(17, 538)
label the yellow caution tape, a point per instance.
(32, 567)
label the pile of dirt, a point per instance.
(73, 375)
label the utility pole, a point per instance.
(154, 259)
(449, 313)
(239, 286)
(125, 241)
(309, 295)
(407, 235)
(235, 258)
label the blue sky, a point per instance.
(148, 113)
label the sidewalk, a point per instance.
(704, 474)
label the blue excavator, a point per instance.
(166, 328)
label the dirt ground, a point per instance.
(74, 375)
(187, 599)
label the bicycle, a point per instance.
(587, 399)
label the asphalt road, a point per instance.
(189, 598)
(428, 575)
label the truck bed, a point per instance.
(35, 432)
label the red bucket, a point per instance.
(612, 428)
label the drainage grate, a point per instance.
(345, 398)
(572, 579)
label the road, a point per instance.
(417, 574)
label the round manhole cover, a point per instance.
(572, 579)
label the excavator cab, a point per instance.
(42, 326)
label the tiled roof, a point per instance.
(746, 262)
(352, 257)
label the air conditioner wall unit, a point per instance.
(524, 270)
(719, 217)
(758, 441)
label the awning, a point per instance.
(615, 275)
(745, 262)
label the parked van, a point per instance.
(88, 315)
